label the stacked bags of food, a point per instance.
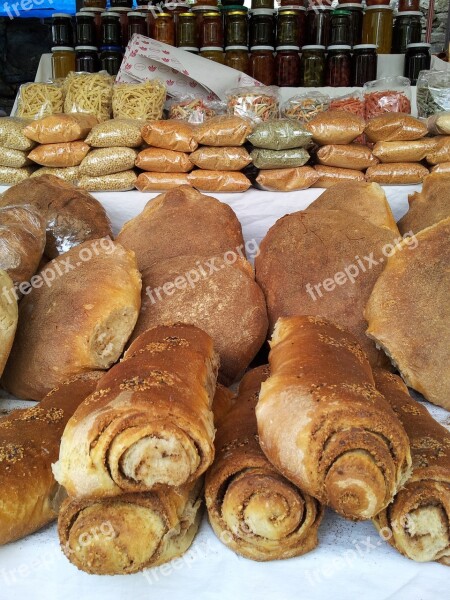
(15, 166)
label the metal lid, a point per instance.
(319, 8)
(346, 6)
(379, 7)
(292, 7)
(65, 15)
(212, 14)
(93, 48)
(341, 11)
(110, 14)
(188, 48)
(85, 14)
(134, 13)
(121, 9)
(339, 47)
(212, 49)
(409, 13)
(187, 14)
(236, 48)
(62, 48)
(253, 48)
(365, 47)
(263, 11)
(313, 47)
(163, 15)
(237, 12)
(204, 8)
(281, 48)
(92, 10)
(418, 45)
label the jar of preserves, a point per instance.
(62, 29)
(417, 58)
(176, 9)
(121, 4)
(84, 28)
(236, 57)
(86, 59)
(210, 3)
(63, 61)
(111, 59)
(407, 30)
(187, 30)
(97, 13)
(312, 66)
(211, 33)
(338, 66)
(258, 4)
(340, 27)
(149, 15)
(236, 28)
(377, 28)
(291, 3)
(136, 24)
(318, 25)
(261, 64)
(199, 12)
(356, 22)
(111, 29)
(405, 5)
(123, 12)
(287, 28)
(262, 26)
(94, 4)
(287, 66)
(214, 53)
(364, 64)
(164, 29)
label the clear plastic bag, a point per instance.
(346, 155)
(160, 182)
(89, 93)
(194, 110)
(397, 173)
(117, 182)
(353, 103)
(11, 176)
(255, 103)
(170, 135)
(163, 161)
(218, 181)
(287, 180)
(13, 158)
(232, 158)
(116, 132)
(390, 94)
(279, 159)
(56, 129)
(395, 127)
(433, 92)
(37, 100)
(106, 161)
(280, 134)
(329, 176)
(12, 134)
(305, 107)
(226, 130)
(71, 174)
(139, 100)
(336, 127)
(441, 152)
(68, 154)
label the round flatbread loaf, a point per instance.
(429, 206)
(8, 317)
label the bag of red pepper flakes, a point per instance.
(353, 103)
(390, 94)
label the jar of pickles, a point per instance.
(214, 53)
(261, 64)
(211, 32)
(262, 26)
(85, 31)
(407, 30)
(236, 57)
(318, 25)
(86, 59)
(236, 28)
(62, 29)
(287, 28)
(164, 29)
(63, 61)
(136, 24)
(312, 66)
(287, 66)
(377, 27)
(364, 64)
(111, 35)
(417, 59)
(340, 27)
(338, 66)
(187, 30)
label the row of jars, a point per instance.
(85, 58)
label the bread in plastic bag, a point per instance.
(56, 129)
(329, 176)
(71, 174)
(415, 151)
(163, 161)
(68, 154)
(116, 182)
(255, 103)
(346, 156)
(139, 100)
(13, 158)
(106, 161)
(228, 158)
(279, 159)
(12, 134)
(441, 152)
(395, 127)
(116, 132)
(37, 100)
(89, 93)
(11, 176)
(287, 180)
(218, 181)
(304, 107)
(160, 182)
(388, 94)
(335, 127)
(441, 168)
(223, 131)
(397, 173)
(170, 135)
(280, 134)
(433, 92)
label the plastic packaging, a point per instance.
(116, 132)
(56, 129)
(433, 92)
(36, 100)
(89, 93)
(223, 131)
(160, 182)
(336, 127)
(353, 103)
(329, 176)
(12, 134)
(218, 181)
(68, 154)
(280, 134)
(106, 161)
(279, 159)
(441, 152)
(13, 158)
(395, 128)
(344, 156)
(392, 152)
(390, 94)
(232, 158)
(287, 180)
(117, 182)
(71, 174)
(255, 103)
(193, 110)
(305, 107)
(439, 124)
(139, 100)
(397, 173)
(170, 135)
(11, 176)
(163, 161)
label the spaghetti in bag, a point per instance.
(143, 101)
(390, 94)
(255, 103)
(89, 93)
(37, 100)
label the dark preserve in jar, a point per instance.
(407, 30)
(85, 31)
(287, 66)
(338, 70)
(136, 24)
(340, 27)
(236, 28)
(97, 14)
(312, 66)
(111, 59)
(61, 29)
(86, 59)
(287, 28)
(417, 58)
(211, 33)
(187, 30)
(262, 26)
(121, 3)
(318, 25)
(236, 57)
(111, 29)
(262, 64)
(364, 64)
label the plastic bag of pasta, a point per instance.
(280, 134)
(224, 130)
(287, 180)
(397, 173)
(11, 176)
(89, 93)
(67, 173)
(116, 132)
(139, 100)
(279, 159)
(255, 103)
(160, 182)
(12, 134)
(56, 129)
(13, 158)
(106, 161)
(37, 100)
(116, 182)
(170, 135)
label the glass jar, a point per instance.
(236, 28)
(149, 15)
(62, 30)
(405, 5)
(97, 13)
(417, 58)
(187, 30)
(340, 27)
(236, 57)
(214, 53)
(123, 12)
(287, 66)
(210, 3)
(356, 22)
(262, 26)
(407, 30)
(94, 4)
(318, 25)
(291, 3)
(164, 29)
(364, 64)
(261, 64)
(111, 29)
(86, 59)
(85, 30)
(63, 61)
(136, 24)
(312, 66)
(287, 28)
(211, 33)
(258, 4)
(377, 28)
(111, 59)
(176, 9)
(338, 66)
(121, 4)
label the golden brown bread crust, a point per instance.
(323, 424)
(309, 247)
(223, 402)
(29, 444)
(72, 215)
(9, 315)
(178, 222)
(419, 516)
(125, 534)
(79, 322)
(150, 420)
(252, 508)
(408, 312)
(22, 241)
(367, 200)
(228, 304)
(429, 206)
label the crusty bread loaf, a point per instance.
(76, 319)
(429, 206)
(8, 317)
(72, 215)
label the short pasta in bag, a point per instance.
(13, 158)
(117, 182)
(223, 131)
(116, 132)
(11, 176)
(12, 134)
(71, 174)
(170, 135)
(106, 161)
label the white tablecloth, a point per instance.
(351, 561)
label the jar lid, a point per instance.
(346, 6)
(187, 14)
(134, 13)
(236, 48)
(319, 8)
(233, 7)
(253, 48)
(237, 12)
(263, 11)
(313, 47)
(365, 47)
(188, 48)
(204, 7)
(77, 48)
(409, 13)
(281, 48)
(212, 14)
(109, 14)
(341, 11)
(292, 7)
(286, 12)
(339, 47)
(379, 7)
(212, 49)
(63, 48)
(92, 10)
(162, 15)
(85, 14)
(65, 15)
(111, 49)
(121, 9)
(418, 45)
